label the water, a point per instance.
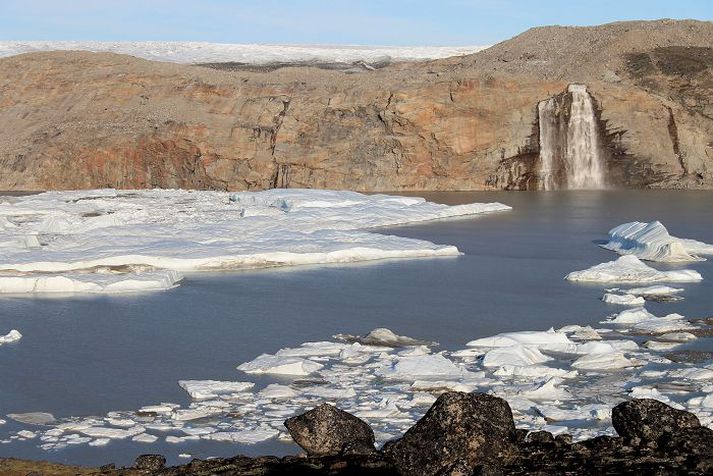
(88, 355)
(570, 153)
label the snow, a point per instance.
(630, 269)
(12, 336)
(201, 52)
(109, 241)
(652, 242)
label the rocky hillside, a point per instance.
(80, 120)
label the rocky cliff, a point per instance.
(81, 120)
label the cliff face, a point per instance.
(79, 120)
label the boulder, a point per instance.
(150, 462)
(459, 430)
(327, 430)
(648, 419)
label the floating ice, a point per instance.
(655, 290)
(90, 283)
(422, 367)
(515, 355)
(605, 361)
(642, 321)
(33, 418)
(383, 337)
(652, 242)
(632, 269)
(524, 337)
(211, 389)
(274, 364)
(125, 241)
(623, 299)
(12, 336)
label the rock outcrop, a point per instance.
(327, 430)
(460, 430)
(84, 120)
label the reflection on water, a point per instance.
(89, 355)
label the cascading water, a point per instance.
(570, 154)
(547, 115)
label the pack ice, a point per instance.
(109, 241)
(652, 242)
(630, 269)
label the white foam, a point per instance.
(632, 270)
(652, 242)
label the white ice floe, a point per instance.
(125, 241)
(90, 283)
(652, 242)
(655, 290)
(422, 367)
(605, 361)
(211, 389)
(623, 299)
(274, 364)
(203, 52)
(33, 418)
(515, 355)
(642, 321)
(508, 339)
(12, 336)
(630, 269)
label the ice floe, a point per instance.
(12, 336)
(623, 299)
(102, 241)
(572, 376)
(630, 269)
(652, 242)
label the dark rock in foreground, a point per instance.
(649, 419)
(460, 431)
(461, 435)
(327, 430)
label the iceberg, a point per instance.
(652, 242)
(630, 269)
(109, 241)
(12, 336)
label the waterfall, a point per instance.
(547, 115)
(570, 153)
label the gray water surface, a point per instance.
(83, 356)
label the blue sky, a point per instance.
(369, 22)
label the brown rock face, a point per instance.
(81, 120)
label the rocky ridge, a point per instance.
(87, 120)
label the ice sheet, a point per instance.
(125, 241)
(201, 52)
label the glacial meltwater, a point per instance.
(87, 356)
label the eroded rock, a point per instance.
(649, 419)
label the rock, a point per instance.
(649, 419)
(462, 123)
(327, 430)
(460, 428)
(540, 437)
(150, 462)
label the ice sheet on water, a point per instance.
(652, 242)
(383, 337)
(12, 336)
(630, 269)
(124, 241)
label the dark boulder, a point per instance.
(327, 430)
(647, 420)
(150, 462)
(460, 430)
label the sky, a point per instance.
(364, 22)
